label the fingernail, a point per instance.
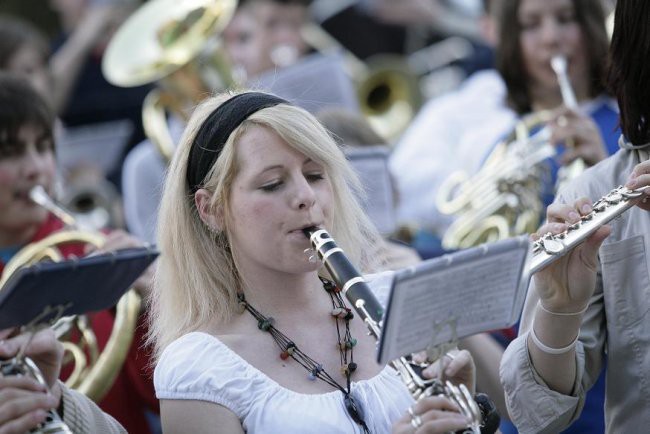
(573, 216)
(630, 183)
(586, 208)
(559, 227)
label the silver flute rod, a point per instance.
(551, 247)
(559, 65)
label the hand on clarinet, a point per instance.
(431, 415)
(23, 400)
(566, 285)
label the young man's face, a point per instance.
(24, 164)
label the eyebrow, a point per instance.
(279, 166)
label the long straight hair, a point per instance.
(629, 71)
(510, 61)
(196, 280)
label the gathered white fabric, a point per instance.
(199, 366)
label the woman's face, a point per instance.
(23, 165)
(548, 28)
(276, 193)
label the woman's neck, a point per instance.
(285, 294)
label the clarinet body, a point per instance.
(359, 294)
(551, 247)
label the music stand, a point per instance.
(44, 292)
(438, 301)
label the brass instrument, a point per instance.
(551, 247)
(387, 91)
(503, 199)
(23, 366)
(173, 43)
(95, 376)
(356, 290)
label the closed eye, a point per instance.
(273, 186)
(313, 177)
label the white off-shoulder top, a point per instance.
(199, 366)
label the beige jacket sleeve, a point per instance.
(84, 417)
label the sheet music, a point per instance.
(454, 296)
(316, 82)
(371, 165)
(100, 144)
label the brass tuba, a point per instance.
(93, 372)
(174, 43)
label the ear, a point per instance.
(212, 218)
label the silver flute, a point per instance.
(359, 294)
(550, 246)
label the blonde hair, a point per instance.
(196, 278)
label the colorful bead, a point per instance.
(328, 285)
(351, 343)
(338, 312)
(265, 324)
(352, 366)
(348, 315)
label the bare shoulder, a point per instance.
(183, 416)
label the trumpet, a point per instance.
(359, 294)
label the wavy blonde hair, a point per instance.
(196, 277)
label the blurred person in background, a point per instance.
(27, 159)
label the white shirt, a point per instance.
(199, 366)
(452, 132)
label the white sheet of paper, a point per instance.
(371, 165)
(453, 296)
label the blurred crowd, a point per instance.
(424, 92)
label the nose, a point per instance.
(304, 197)
(550, 31)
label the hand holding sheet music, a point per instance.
(453, 296)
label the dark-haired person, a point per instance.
(593, 304)
(27, 159)
(458, 130)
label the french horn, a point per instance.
(176, 44)
(93, 371)
(503, 199)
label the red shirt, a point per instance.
(133, 390)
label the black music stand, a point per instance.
(46, 291)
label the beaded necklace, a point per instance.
(346, 343)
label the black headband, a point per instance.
(216, 129)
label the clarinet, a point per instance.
(479, 409)
(551, 247)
